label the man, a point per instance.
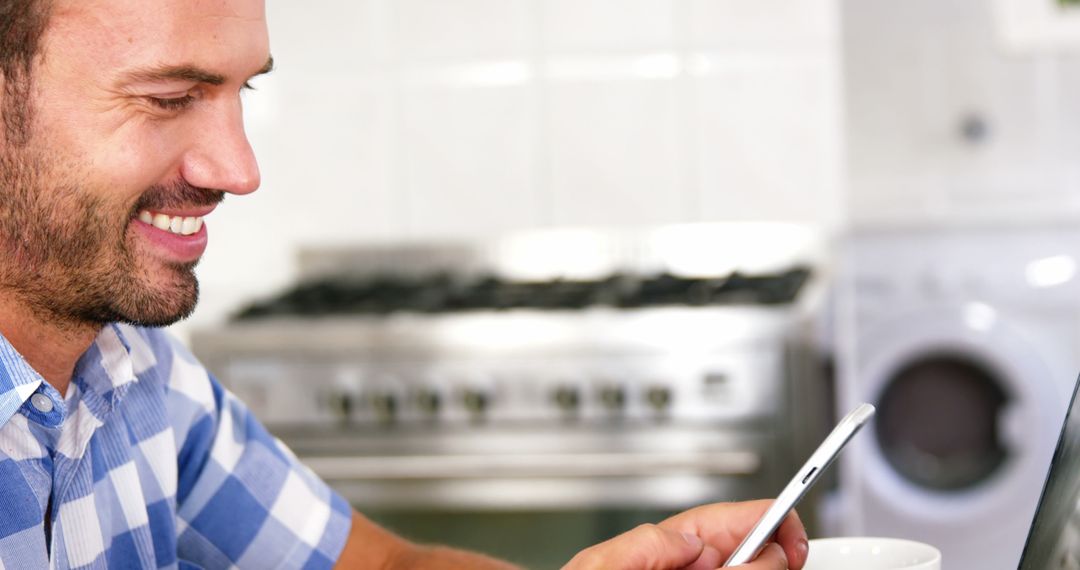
(121, 130)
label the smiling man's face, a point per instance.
(135, 135)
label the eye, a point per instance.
(173, 103)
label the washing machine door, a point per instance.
(969, 411)
(942, 418)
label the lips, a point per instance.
(175, 236)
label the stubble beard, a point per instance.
(69, 257)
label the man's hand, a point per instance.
(697, 539)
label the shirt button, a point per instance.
(42, 403)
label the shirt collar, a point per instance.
(18, 381)
(103, 373)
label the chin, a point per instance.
(159, 304)
(161, 318)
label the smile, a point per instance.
(179, 225)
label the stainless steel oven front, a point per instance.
(531, 434)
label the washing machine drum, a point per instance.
(938, 422)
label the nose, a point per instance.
(221, 157)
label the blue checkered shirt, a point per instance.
(149, 463)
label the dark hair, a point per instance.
(22, 24)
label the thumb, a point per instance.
(771, 558)
(645, 547)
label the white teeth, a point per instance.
(181, 225)
(161, 222)
(188, 226)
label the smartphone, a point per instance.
(796, 489)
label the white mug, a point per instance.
(866, 553)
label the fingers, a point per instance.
(724, 525)
(792, 537)
(772, 557)
(647, 546)
(710, 559)
(674, 543)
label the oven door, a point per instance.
(536, 497)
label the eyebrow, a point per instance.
(188, 73)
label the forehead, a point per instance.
(120, 34)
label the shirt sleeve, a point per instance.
(243, 499)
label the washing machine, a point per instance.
(968, 342)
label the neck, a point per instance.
(51, 347)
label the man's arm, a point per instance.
(698, 539)
(372, 547)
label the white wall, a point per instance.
(913, 71)
(427, 119)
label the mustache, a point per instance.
(176, 195)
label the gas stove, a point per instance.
(552, 369)
(446, 293)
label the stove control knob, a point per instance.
(613, 398)
(475, 401)
(428, 401)
(659, 397)
(384, 406)
(567, 398)
(341, 405)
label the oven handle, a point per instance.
(582, 465)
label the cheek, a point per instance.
(127, 166)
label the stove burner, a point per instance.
(442, 293)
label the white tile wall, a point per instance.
(324, 37)
(608, 25)
(433, 119)
(767, 142)
(750, 25)
(615, 152)
(468, 160)
(329, 161)
(460, 29)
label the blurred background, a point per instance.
(525, 273)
